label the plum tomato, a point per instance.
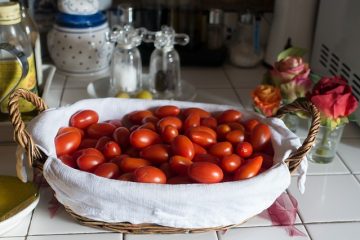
(179, 180)
(70, 129)
(107, 170)
(133, 128)
(111, 149)
(116, 122)
(236, 126)
(148, 125)
(222, 130)
(230, 163)
(88, 151)
(130, 164)
(138, 116)
(165, 167)
(68, 160)
(250, 125)
(157, 153)
(84, 118)
(203, 129)
(166, 121)
(193, 120)
(117, 160)
(209, 122)
(202, 138)
(206, 158)
(268, 160)
(179, 164)
(199, 149)
(169, 133)
(205, 172)
(98, 130)
(101, 142)
(133, 152)
(260, 137)
(230, 115)
(128, 177)
(88, 143)
(182, 145)
(149, 174)
(249, 169)
(151, 119)
(67, 142)
(141, 138)
(121, 136)
(166, 111)
(244, 149)
(89, 162)
(235, 136)
(201, 112)
(221, 149)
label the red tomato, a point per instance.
(151, 119)
(133, 152)
(251, 124)
(157, 153)
(138, 116)
(98, 130)
(230, 163)
(88, 162)
(88, 143)
(116, 122)
(182, 146)
(84, 118)
(203, 129)
(168, 110)
(165, 167)
(193, 120)
(204, 139)
(70, 129)
(118, 159)
(67, 142)
(235, 136)
(148, 125)
(250, 169)
(222, 130)
(128, 177)
(130, 164)
(201, 112)
(179, 180)
(68, 160)
(179, 164)
(206, 158)
(107, 170)
(260, 137)
(101, 142)
(268, 160)
(209, 122)
(111, 149)
(221, 149)
(230, 115)
(166, 121)
(205, 172)
(141, 138)
(244, 149)
(122, 136)
(88, 151)
(149, 174)
(169, 133)
(133, 128)
(199, 149)
(236, 126)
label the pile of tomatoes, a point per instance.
(167, 145)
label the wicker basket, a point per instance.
(37, 158)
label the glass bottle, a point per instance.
(215, 39)
(126, 66)
(17, 65)
(165, 81)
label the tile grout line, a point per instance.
(342, 159)
(62, 92)
(307, 231)
(233, 87)
(28, 230)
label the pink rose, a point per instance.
(288, 68)
(333, 97)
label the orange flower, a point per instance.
(266, 99)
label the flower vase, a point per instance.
(291, 121)
(327, 141)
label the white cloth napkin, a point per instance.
(182, 206)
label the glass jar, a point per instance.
(17, 65)
(326, 143)
(126, 66)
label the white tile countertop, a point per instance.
(329, 209)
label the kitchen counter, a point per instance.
(329, 209)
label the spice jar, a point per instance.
(126, 67)
(165, 62)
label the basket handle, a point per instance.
(22, 136)
(306, 106)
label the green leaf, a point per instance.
(315, 77)
(294, 51)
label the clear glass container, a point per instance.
(215, 34)
(165, 79)
(126, 66)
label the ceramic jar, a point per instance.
(78, 7)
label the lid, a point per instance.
(166, 38)
(216, 16)
(126, 36)
(9, 13)
(80, 21)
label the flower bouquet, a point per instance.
(335, 101)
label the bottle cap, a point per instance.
(9, 13)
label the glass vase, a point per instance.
(326, 143)
(291, 121)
